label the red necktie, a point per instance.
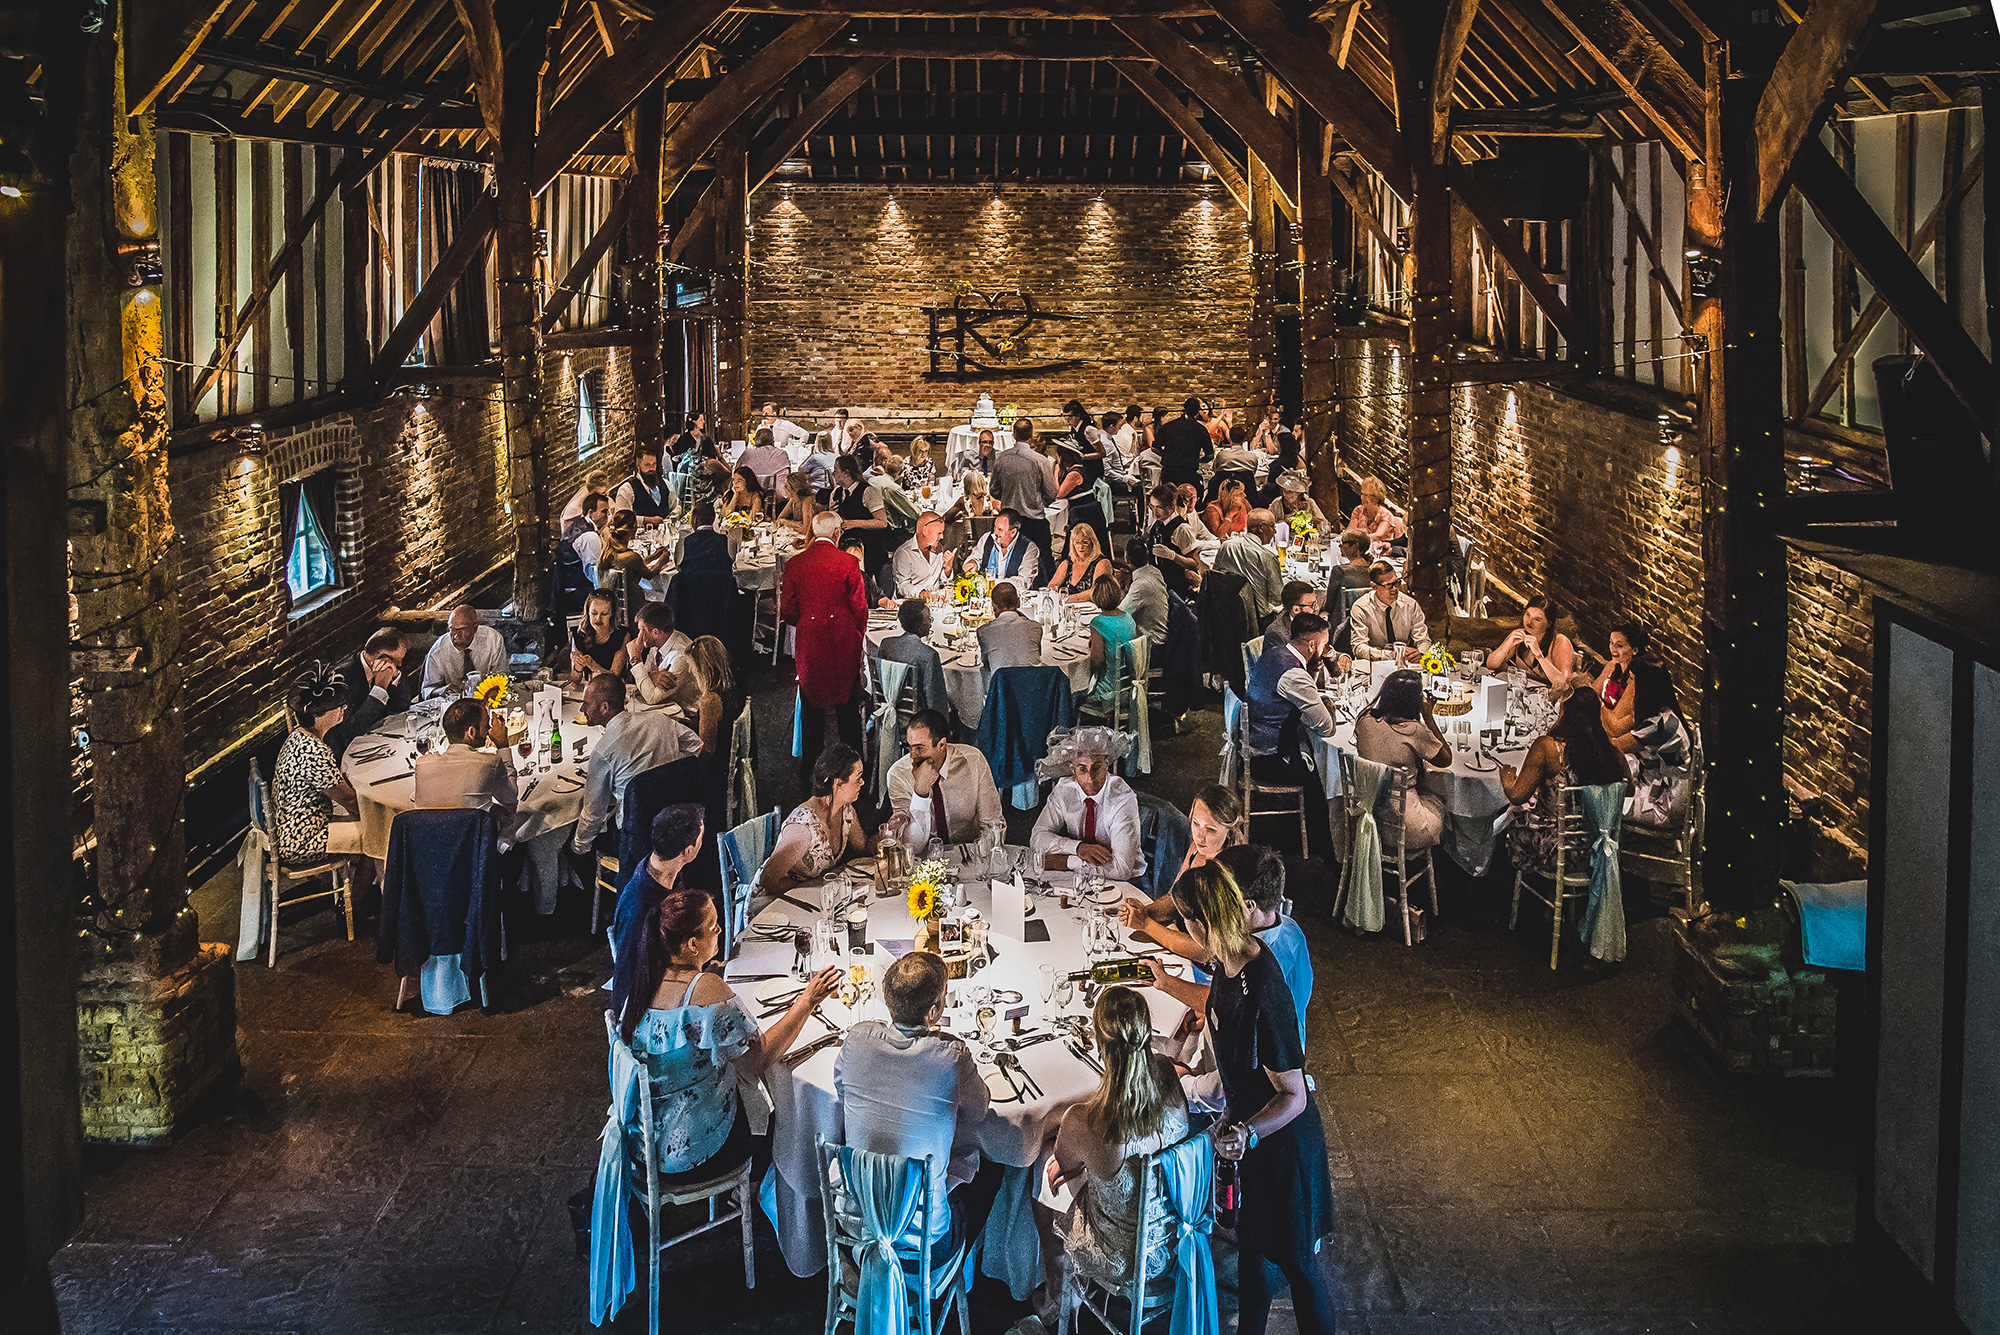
(1089, 820)
(939, 826)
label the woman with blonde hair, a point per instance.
(1373, 517)
(803, 505)
(721, 700)
(1270, 1122)
(1083, 561)
(1100, 1146)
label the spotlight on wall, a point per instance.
(248, 439)
(1703, 270)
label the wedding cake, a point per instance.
(983, 414)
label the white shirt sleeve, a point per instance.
(1296, 685)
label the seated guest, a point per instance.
(823, 831)
(901, 509)
(1652, 694)
(1010, 639)
(1386, 617)
(697, 1038)
(783, 433)
(1535, 646)
(818, 465)
(1091, 818)
(1110, 631)
(1285, 704)
(926, 677)
(633, 742)
(1146, 596)
(709, 481)
(465, 774)
(306, 781)
(977, 502)
(1400, 731)
(1214, 822)
(718, 699)
(915, 473)
(1229, 512)
(1298, 596)
(695, 441)
(983, 463)
(1100, 1149)
(922, 565)
(467, 654)
(659, 667)
(766, 456)
(1084, 560)
(1576, 750)
(645, 493)
(907, 1089)
(859, 441)
(1238, 456)
(871, 591)
(674, 840)
(617, 554)
(800, 503)
(1355, 570)
(595, 482)
(1293, 499)
(1172, 542)
(1188, 501)
(745, 495)
(1259, 874)
(1005, 554)
(1249, 554)
(585, 533)
(375, 686)
(943, 788)
(1614, 684)
(596, 645)
(1373, 518)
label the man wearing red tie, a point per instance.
(822, 594)
(1092, 817)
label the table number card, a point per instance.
(1496, 701)
(1010, 909)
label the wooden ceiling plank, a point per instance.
(1227, 96)
(360, 20)
(161, 41)
(1190, 127)
(396, 23)
(1630, 52)
(1816, 61)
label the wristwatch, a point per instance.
(1250, 1132)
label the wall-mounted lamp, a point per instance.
(141, 260)
(247, 439)
(1703, 271)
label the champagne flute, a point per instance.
(1048, 984)
(1065, 991)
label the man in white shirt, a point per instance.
(1009, 639)
(633, 742)
(659, 668)
(464, 656)
(783, 433)
(945, 788)
(907, 1089)
(1092, 817)
(467, 775)
(1386, 616)
(1006, 553)
(765, 457)
(1249, 554)
(1146, 597)
(1115, 437)
(921, 564)
(646, 493)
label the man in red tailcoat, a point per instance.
(823, 595)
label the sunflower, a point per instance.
(923, 900)
(491, 692)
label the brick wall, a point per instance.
(1829, 693)
(422, 491)
(839, 274)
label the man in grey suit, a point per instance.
(1024, 481)
(926, 679)
(1009, 639)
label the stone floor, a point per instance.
(1512, 1151)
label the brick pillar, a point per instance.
(642, 252)
(519, 307)
(1741, 443)
(732, 283)
(156, 1011)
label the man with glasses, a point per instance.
(1386, 617)
(1092, 817)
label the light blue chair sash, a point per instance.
(742, 852)
(886, 1192)
(1232, 707)
(1603, 923)
(798, 724)
(612, 1274)
(894, 676)
(1364, 908)
(1189, 1171)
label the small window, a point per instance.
(588, 438)
(310, 568)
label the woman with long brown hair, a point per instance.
(1270, 1123)
(1576, 750)
(1214, 823)
(1535, 647)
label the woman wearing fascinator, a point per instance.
(306, 782)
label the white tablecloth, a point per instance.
(756, 570)
(1013, 1132)
(965, 677)
(384, 786)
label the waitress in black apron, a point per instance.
(864, 517)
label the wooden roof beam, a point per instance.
(1444, 72)
(1306, 65)
(981, 9)
(160, 40)
(482, 48)
(740, 90)
(1191, 128)
(1528, 273)
(980, 46)
(1818, 58)
(1242, 110)
(1619, 41)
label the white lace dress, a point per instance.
(690, 1054)
(1099, 1230)
(825, 852)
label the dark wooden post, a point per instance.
(1738, 383)
(1318, 346)
(642, 250)
(1262, 380)
(519, 307)
(732, 285)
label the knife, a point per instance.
(1076, 1049)
(797, 1055)
(391, 778)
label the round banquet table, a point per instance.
(802, 1096)
(965, 677)
(381, 767)
(759, 566)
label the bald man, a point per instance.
(921, 564)
(466, 654)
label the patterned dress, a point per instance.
(690, 1054)
(819, 859)
(1100, 1229)
(1531, 839)
(299, 781)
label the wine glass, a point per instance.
(1065, 991)
(424, 742)
(987, 1018)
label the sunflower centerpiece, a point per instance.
(927, 879)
